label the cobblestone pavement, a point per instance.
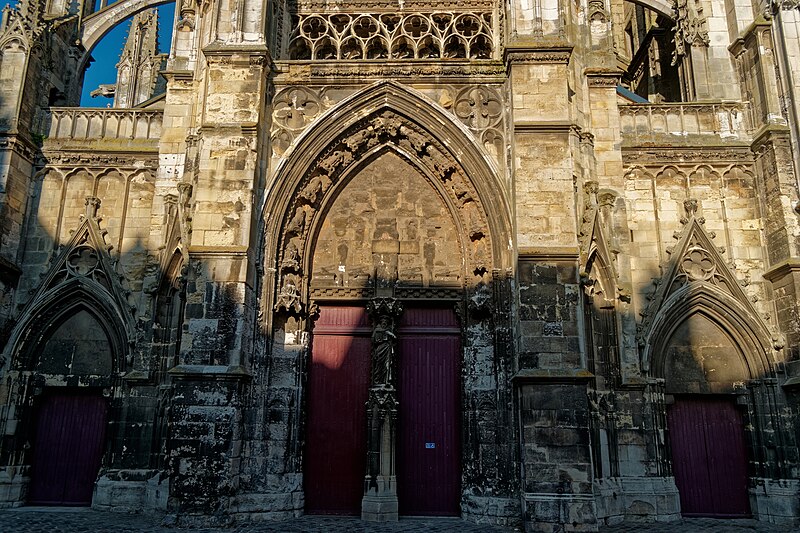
(40, 520)
(701, 525)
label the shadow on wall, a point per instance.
(98, 323)
(702, 334)
(119, 316)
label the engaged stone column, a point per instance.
(380, 484)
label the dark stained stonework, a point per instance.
(580, 216)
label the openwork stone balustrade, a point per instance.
(68, 123)
(643, 121)
(395, 36)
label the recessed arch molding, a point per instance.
(385, 117)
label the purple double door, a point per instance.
(428, 453)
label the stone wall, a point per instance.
(603, 257)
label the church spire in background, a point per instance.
(139, 64)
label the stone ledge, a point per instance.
(553, 376)
(782, 269)
(209, 372)
(554, 253)
(555, 126)
(519, 51)
(211, 251)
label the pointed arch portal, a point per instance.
(385, 196)
(703, 365)
(70, 422)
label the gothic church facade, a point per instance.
(532, 263)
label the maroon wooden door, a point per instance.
(429, 395)
(336, 438)
(67, 448)
(709, 457)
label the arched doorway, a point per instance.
(71, 416)
(702, 368)
(387, 232)
(388, 266)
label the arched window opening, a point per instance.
(654, 72)
(124, 68)
(169, 317)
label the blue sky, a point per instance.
(106, 53)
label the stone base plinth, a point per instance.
(13, 486)
(380, 501)
(131, 491)
(776, 500)
(636, 499)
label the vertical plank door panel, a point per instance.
(336, 440)
(429, 395)
(709, 457)
(68, 448)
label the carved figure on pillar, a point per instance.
(380, 484)
(383, 344)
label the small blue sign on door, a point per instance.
(430, 445)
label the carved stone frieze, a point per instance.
(341, 293)
(428, 293)
(69, 159)
(603, 81)
(664, 155)
(316, 6)
(367, 136)
(546, 55)
(439, 70)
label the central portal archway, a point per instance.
(388, 230)
(393, 245)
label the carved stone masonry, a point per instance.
(384, 312)
(372, 36)
(380, 484)
(691, 28)
(387, 129)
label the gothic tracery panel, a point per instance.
(417, 35)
